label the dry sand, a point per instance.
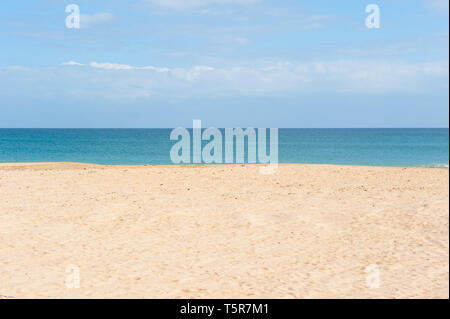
(307, 231)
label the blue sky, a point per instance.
(261, 63)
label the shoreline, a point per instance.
(93, 165)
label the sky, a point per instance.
(228, 63)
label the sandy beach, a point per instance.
(308, 231)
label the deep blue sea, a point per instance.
(378, 147)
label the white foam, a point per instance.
(438, 165)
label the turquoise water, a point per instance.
(379, 147)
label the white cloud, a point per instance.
(189, 4)
(440, 6)
(111, 66)
(88, 21)
(227, 41)
(240, 40)
(116, 66)
(241, 2)
(72, 63)
(178, 4)
(120, 81)
(13, 68)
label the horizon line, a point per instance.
(170, 128)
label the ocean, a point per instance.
(375, 147)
